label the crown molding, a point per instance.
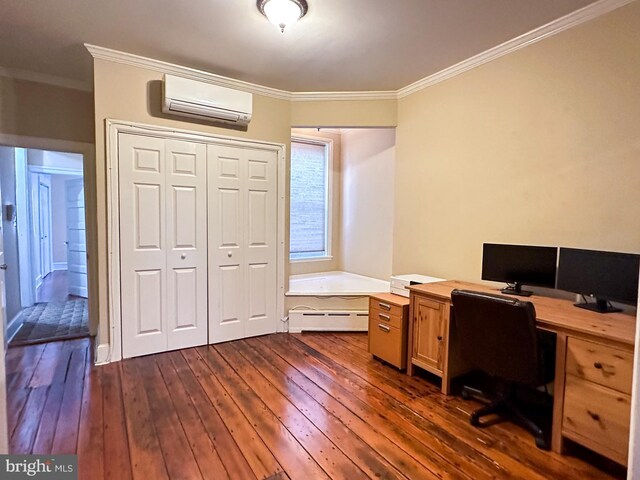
(45, 78)
(125, 58)
(570, 20)
(332, 96)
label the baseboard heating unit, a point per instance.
(328, 321)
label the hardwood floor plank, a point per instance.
(147, 461)
(376, 439)
(65, 440)
(508, 445)
(116, 455)
(91, 432)
(57, 369)
(274, 407)
(295, 460)
(261, 460)
(375, 417)
(434, 425)
(204, 451)
(231, 455)
(19, 381)
(368, 459)
(22, 438)
(330, 458)
(176, 449)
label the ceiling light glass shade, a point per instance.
(283, 13)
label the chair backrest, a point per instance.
(497, 335)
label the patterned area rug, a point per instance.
(46, 322)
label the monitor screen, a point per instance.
(523, 264)
(606, 275)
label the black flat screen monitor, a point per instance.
(519, 265)
(607, 276)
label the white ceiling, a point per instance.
(341, 45)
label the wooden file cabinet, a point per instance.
(388, 314)
(597, 397)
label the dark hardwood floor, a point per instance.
(304, 406)
(54, 288)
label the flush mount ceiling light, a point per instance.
(283, 13)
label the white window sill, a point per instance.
(312, 259)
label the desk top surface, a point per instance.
(552, 313)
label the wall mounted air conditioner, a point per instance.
(204, 101)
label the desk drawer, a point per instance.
(387, 343)
(385, 307)
(385, 317)
(606, 366)
(597, 417)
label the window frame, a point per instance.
(327, 143)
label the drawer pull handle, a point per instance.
(598, 365)
(384, 317)
(439, 338)
(385, 306)
(384, 328)
(594, 416)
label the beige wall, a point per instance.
(33, 109)
(315, 266)
(541, 146)
(130, 93)
(368, 159)
(344, 113)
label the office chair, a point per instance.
(498, 336)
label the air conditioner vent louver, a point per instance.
(190, 98)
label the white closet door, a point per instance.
(242, 242)
(163, 244)
(186, 183)
(143, 248)
(76, 239)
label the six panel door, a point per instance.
(76, 238)
(163, 244)
(242, 242)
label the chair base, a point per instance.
(503, 405)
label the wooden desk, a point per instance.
(594, 362)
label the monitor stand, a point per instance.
(516, 289)
(601, 305)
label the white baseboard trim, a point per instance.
(102, 354)
(59, 266)
(13, 326)
(328, 321)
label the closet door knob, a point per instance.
(229, 254)
(183, 256)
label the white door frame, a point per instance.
(88, 154)
(112, 351)
(23, 207)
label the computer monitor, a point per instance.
(606, 276)
(518, 265)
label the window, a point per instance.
(310, 199)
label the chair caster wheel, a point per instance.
(541, 443)
(465, 394)
(474, 420)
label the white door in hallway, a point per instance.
(44, 201)
(242, 242)
(163, 244)
(76, 238)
